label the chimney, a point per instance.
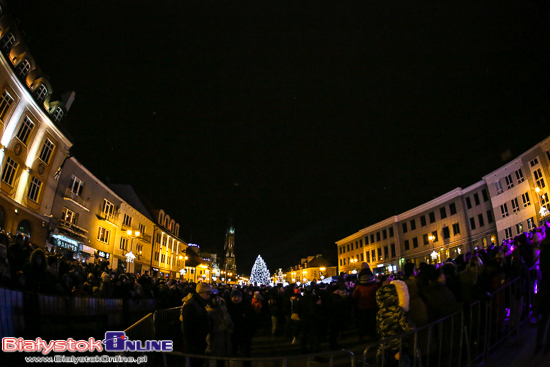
(68, 98)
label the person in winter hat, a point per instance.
(391, 320)
(364, 296)
(195, 322)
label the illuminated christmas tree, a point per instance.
(259, 273)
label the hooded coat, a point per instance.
(391, 319)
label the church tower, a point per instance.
(229, 253)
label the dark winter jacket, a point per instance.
(195, 324)
(391, 319)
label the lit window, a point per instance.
(69, 216)
(7, 41)
(530, 223)
(47, 150)
(544, 199)
(41, 92)
(103, 235)
(5, 102)
(24, 67)
(34, 189)
(519, 228)
(25, 130)
(10, 170)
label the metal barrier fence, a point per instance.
(29, 315)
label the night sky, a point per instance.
(302, 122)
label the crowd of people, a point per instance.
(221, 319)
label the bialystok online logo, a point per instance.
(115, 341)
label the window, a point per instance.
(340, 262)
(413, 225)
(368, 256)
(108, 207)
(432, 217)
(534, 162)
(519, 176)
(452, 208)
(499, 188)
(366, 240)
(425, 238)
(380, 253)
(356, 245)
(69, 216)
(124, 243)
(372, 238)
(384, 234)
(489, 216)
(423, 220)
(163, 259)
(142, 228)
(362, 259)
(47, 150)
(443, 212)
(25, 130)
(530, 223)
(472, 223)
(539, 178)
(103, 235)
(40, 92)
(446, 233)
(404, 227)
(515, 205)
(7, 41)
(434, 233)
(34, 189)
(57, 114)
(407, 247)
(10, 170)
(348, 247)
(485, 195)
(76, 185)
(456, 229)
(519, 228)
(415, 242)
(157, 257)
(480, 220)
(23, 67)
(391, 232)
(476, 198)
(509, 182)
(504, 210)
(373, 253)
(508, 232)
(526, 201)
(392, 246)
(158, 239)
(544, 199)
(378, 236)
(468, 203)
(386, 253)
(127, 221)
(5, 102)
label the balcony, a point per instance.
(72, 227)
(71, 196)
(142, 236)
(108, 217)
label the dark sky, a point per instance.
(303, 122)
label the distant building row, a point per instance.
(508, 201)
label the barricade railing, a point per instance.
(175, 358)
(167, 325)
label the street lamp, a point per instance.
(433, 254)
(130, 257)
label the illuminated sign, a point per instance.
(104, 255)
